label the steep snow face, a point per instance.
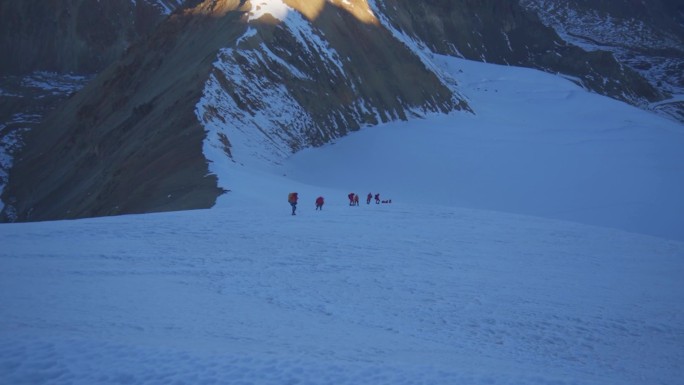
(287, 85)
(251, 114)
(256, 120)
(307, 37)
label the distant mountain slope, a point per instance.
(77, 36)
(647, 36)
(505, 33)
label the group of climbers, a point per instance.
(353, 199)
(293, 198)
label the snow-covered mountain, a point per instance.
(647, 36)
(258, 80)
(535, 235)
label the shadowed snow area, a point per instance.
(537, 145)
(446, 285)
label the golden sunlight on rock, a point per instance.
(309, 8)
(359, 8)
(217, 8)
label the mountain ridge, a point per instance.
(135, 139)
(107, 128)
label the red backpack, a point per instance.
(292, 197)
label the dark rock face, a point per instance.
(49, 50)
(76, 36)
(506, 33)
(24, 100)
(129, 142)
(645, 36)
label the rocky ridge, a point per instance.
(250, 82)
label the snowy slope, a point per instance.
(459, 281)
(427, 289)
(537, 145)
(377, 294)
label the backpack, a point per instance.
(292, 197)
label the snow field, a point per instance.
(537, 145)
(376, 294)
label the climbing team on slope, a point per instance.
(293, 198)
